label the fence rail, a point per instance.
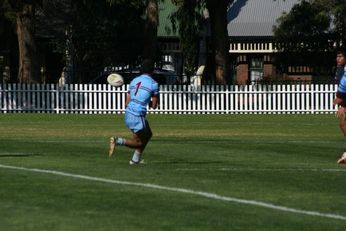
(174, 99)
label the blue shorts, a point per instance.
(135, 123)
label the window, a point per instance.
(256, 69)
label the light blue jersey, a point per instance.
(142, 88)
(342, 84)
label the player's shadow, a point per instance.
(18, 155)
(177, 162)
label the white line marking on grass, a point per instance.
(182, 190)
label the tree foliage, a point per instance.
(100, 36)
(338, 9)
(310, 29)
(188, 16)
(187, 20)
(8, 41)
(22, 15)
(94, 34)
(312, 25)
(305, 19)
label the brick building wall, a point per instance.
(242, 74)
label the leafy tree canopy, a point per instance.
(313, 23)
(311, 29)
(94, 33)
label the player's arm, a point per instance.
(337, 101)
(128, 99)
(154, 101)
(340, 99)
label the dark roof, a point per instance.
(256, 17)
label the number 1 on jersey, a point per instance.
(138, 85)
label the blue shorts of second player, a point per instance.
(135, 123)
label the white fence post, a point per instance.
(57, 98)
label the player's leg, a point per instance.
(141, 135)
(138, 142)
(144, 137)
(342, 159)
(343, 125)
(134, 123)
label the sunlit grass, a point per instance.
(286, 160)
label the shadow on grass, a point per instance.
(175, 162)
(17, 155)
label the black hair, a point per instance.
(147, 66)
(341, 51)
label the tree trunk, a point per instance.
(219, 34)
(150, 41)
(28, 68)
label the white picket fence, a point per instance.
(174, 99)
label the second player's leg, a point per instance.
(342, 159)
(343, 125)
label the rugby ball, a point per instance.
(115, 80)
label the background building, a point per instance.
(253, 51)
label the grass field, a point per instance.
(279, 160)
